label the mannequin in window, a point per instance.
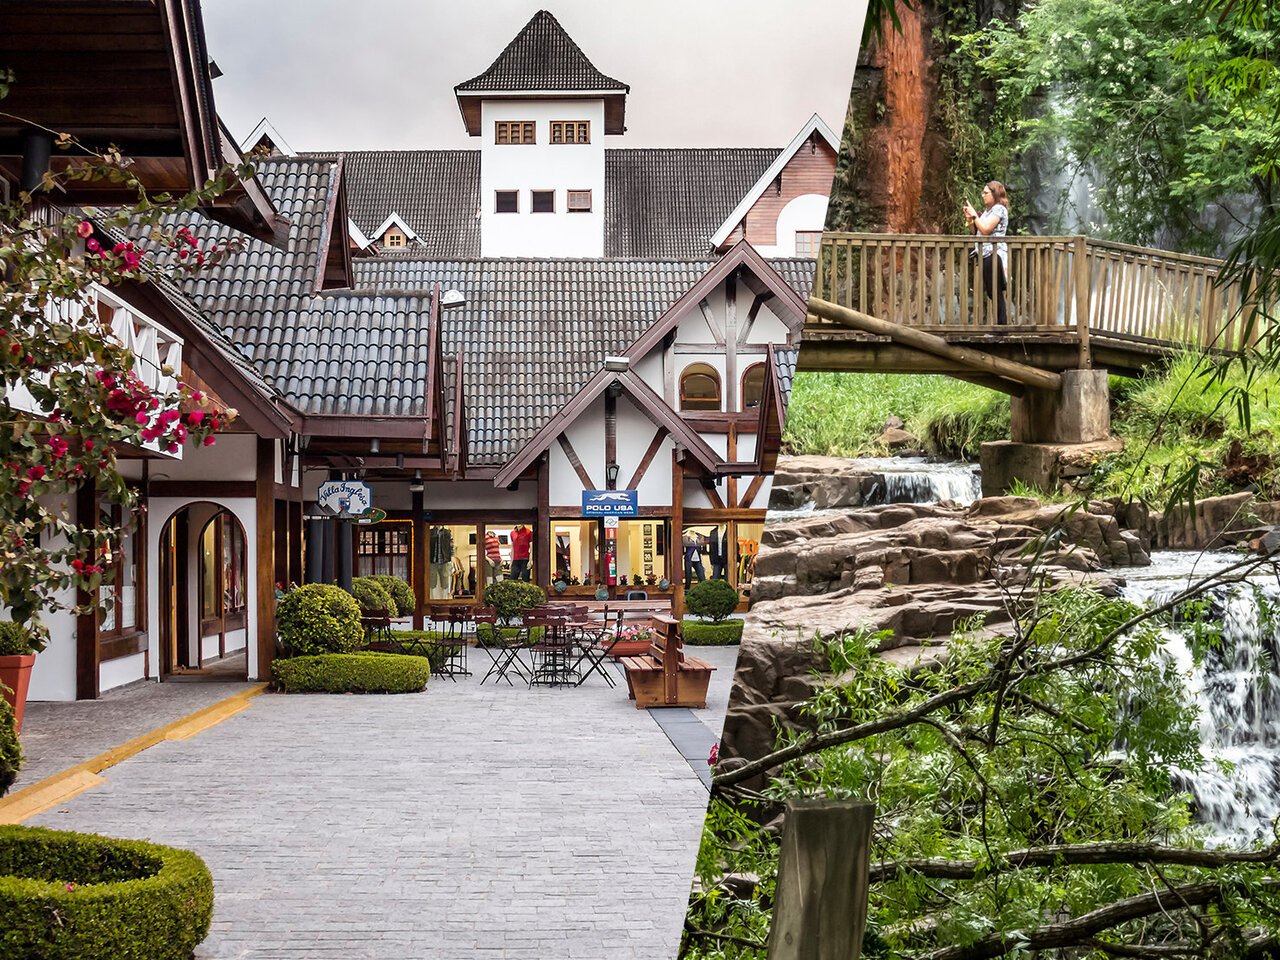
(441, 550)
(718, 551)
(562, 557)
(693, 557)
(493, 556)
(521, 539)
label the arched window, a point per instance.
(752, 386)
(700, 388)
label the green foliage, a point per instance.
(401, 593)
(842, 414)
(712, 599)
(319, 618)
(1006, 744)
(352, 673)
(372, 595)
(511, 598)
(697, 633)
(70, 896)
(484, 633)
(16, 640)
(10, 748)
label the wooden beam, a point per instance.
(993, 383)
(752, 489)
(265, 538)
(88, 657)
(543, 542)
(203, 489)
(973, 359)
(654, 446)
(675, 550)
(572, 455)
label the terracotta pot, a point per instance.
(15, 675)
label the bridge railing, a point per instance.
(938, 283)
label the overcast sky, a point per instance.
(362, 74)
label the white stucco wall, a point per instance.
(542, 166)
(54, 675)
(807, 212)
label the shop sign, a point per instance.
(610, 503)
(373, 516)
(346, 498)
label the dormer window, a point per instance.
(393, 239)
(579, 201)
(570, 131)
(513, 131)
(700, 387)
(506, 201)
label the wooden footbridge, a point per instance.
(920, 304)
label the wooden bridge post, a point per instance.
(1080, 263)
(823, 880)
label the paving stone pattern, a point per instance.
(465, 822)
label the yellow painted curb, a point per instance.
(59, 787)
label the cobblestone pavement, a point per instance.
(465, 822)
(56, 736)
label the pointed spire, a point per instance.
(542, 57)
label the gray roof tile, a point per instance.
(542, 57)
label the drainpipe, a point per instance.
(37, 147)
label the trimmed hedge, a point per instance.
(699, 633)
(319, 618)
(372, 595)
(352, 673)
(70, 896)
(713, 599)
(10, 749)
(401, 593)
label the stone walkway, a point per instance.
(466, 822)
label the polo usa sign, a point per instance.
(610, 503)
(346, 498)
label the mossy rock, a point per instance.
(71, 896)
(352, 673)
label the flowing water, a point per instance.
(917, 480)
(1236, 687)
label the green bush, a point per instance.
(10, 749)
(400, 591)
(352, 673)
(511, 598)
(713, 599)
(71, 896)
(319, 618)
(15, 640)
(484, 633)
(698, 633)
(372, 596)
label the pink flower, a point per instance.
(93, 245)
(194, 417)
(36, 472)
(141, 417)
(84, 230)
(208, 441)
(58, 447)
(715, 755)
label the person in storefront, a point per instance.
(693, 558)
(521, 540)
(718, 551)
(493, 555)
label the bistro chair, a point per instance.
(452, 640)
(503, 652)
(553, 651)
(596, 645)
(377, 626)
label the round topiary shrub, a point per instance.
(319, 618)
(511, 598)
(713, 599)
(10, 750)
(372, 596)
(68, 896)
(352, 673)
(400, 591)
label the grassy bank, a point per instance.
(843, 414)
(1177, 424)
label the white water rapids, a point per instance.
(1236, 688)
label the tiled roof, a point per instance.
(668, 203)
(542, 57)
(785, 360)
(554, 321)
(532, 331)
(435, 192)
(658, 203)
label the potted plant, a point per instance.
(633, 641)
(18, 649)
(560, 586)
(664, 584)
(602, 593)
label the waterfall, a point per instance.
(916, 480)
(1236, 688)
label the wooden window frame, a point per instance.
(568, 202)
(499, 193)
(230, 618)
(742, 386)
(573, 125)
(380, 534)
(817, 242)
(520, 127)
(397, 236)
(701, 369)
(116, 586)
(533, 206)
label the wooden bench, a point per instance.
(666, 676)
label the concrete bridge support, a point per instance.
(1057, 435)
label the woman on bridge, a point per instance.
(993, 222)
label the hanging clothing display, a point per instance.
(693, 558)
(441, 557)
(718, 551)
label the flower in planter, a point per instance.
(634, 632)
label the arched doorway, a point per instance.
(204, 615)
